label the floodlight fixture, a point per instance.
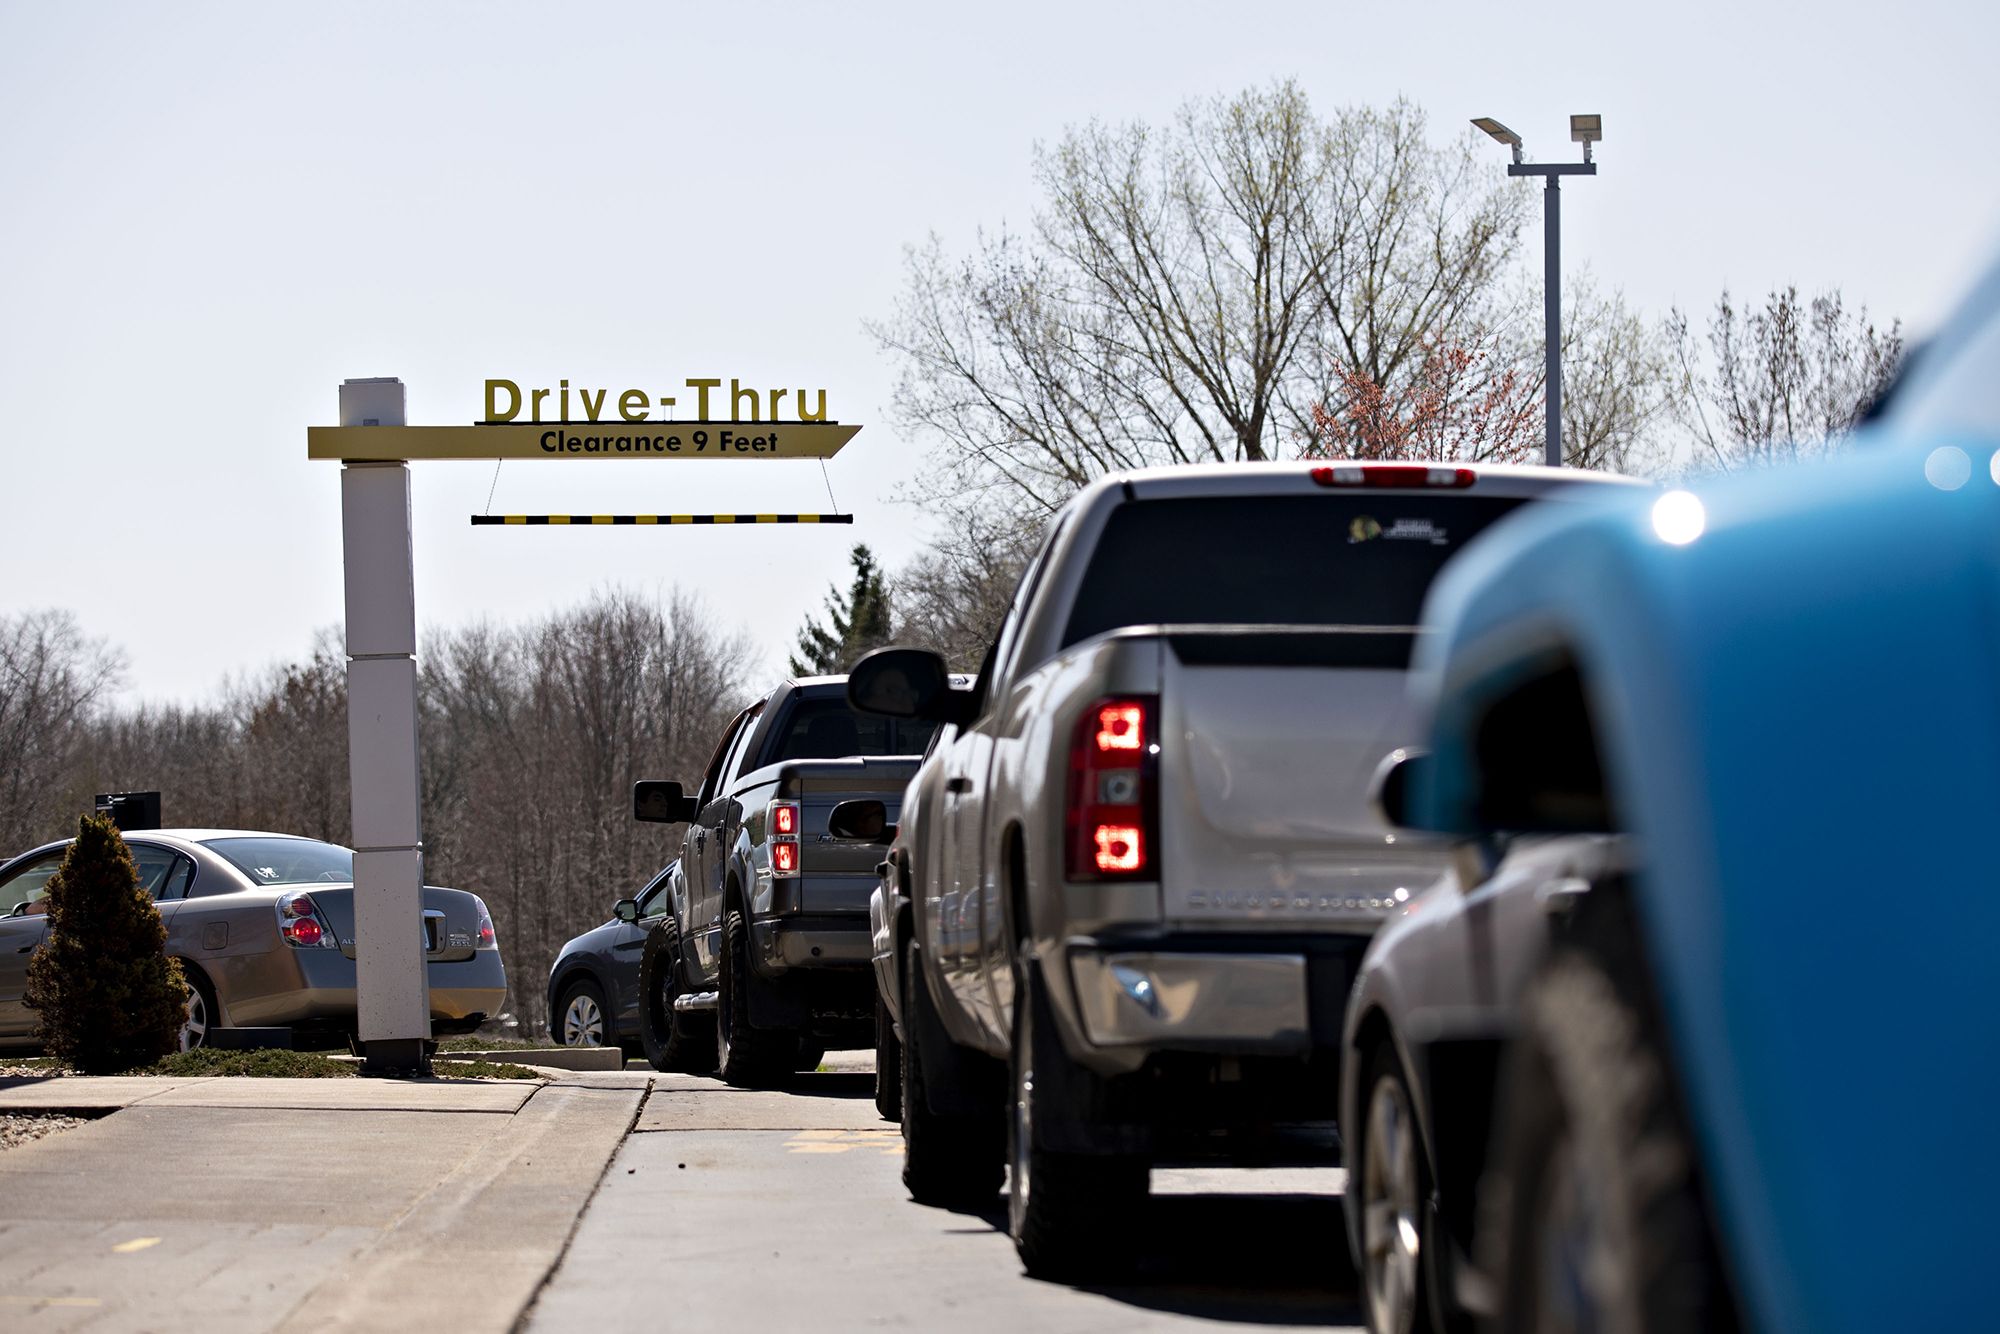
(1586, 130)
(1500, 132)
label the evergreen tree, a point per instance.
(107, 995)
(855, 624)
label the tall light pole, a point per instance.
(1585, 130)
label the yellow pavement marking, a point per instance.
(7, 1299)
(136, 1244)
(840, 1141)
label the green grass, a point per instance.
(266, 1064)
(449, 1069)
(474, 1042)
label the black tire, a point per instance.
(1072, 1216)
(952, 1161)
(201, 993)
(583, 989)
(674, 1042)
(745, 1056)
(1390, 1165)
(1589, 1098)
(810, 1055)
(888, 1064)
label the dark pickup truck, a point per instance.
(763, 961)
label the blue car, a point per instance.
(1742, 742)
(594, 981)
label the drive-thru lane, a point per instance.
(727, 1209)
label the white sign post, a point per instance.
(391, 982)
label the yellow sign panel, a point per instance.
(582, 440)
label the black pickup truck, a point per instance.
(763, 962)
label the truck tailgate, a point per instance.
(838, 876)
(1269, 740)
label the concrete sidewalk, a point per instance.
(259, 1204)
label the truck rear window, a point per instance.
(1341, 559)
(826, 729)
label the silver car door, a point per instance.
(20, 932)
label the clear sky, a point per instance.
(212, 214)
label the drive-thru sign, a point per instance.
(392, 990)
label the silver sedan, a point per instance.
(263, 925)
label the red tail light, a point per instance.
(487, 938)
(781, 822)
(302, 926)
(1393, 474)
(1113, 811)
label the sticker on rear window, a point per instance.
(1363, 528)
(1417, 530)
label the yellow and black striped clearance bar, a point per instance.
(581, 440)
(481, 520)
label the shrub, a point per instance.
(107, 995)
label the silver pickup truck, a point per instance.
(1137, 870)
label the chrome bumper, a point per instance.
(1199, 1002)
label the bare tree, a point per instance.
(952, 597)
(1187, 293)
(531, 738)
(54, 683)
(1456, 406)
(1617, 383)
(1783, 382)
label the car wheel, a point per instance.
(949, 1160)
(746, 1056)
(1594, 1213)
(580, 1021)
(1394, 1182)
(888, 1064)
(1072, 1216)
(810, 1055)
(202, 1011)
(674, 1041)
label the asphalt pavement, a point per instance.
(771, 1211)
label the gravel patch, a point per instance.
(31, 1069)
(18, 1128)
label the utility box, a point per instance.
(373, 402)
(130, 810)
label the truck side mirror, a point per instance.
(656, 801)
(626, 910)
(1396, 780)
(861, 821)
(907, 683)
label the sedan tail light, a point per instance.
(302, 925)
(1113, 809)
(487, 940)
